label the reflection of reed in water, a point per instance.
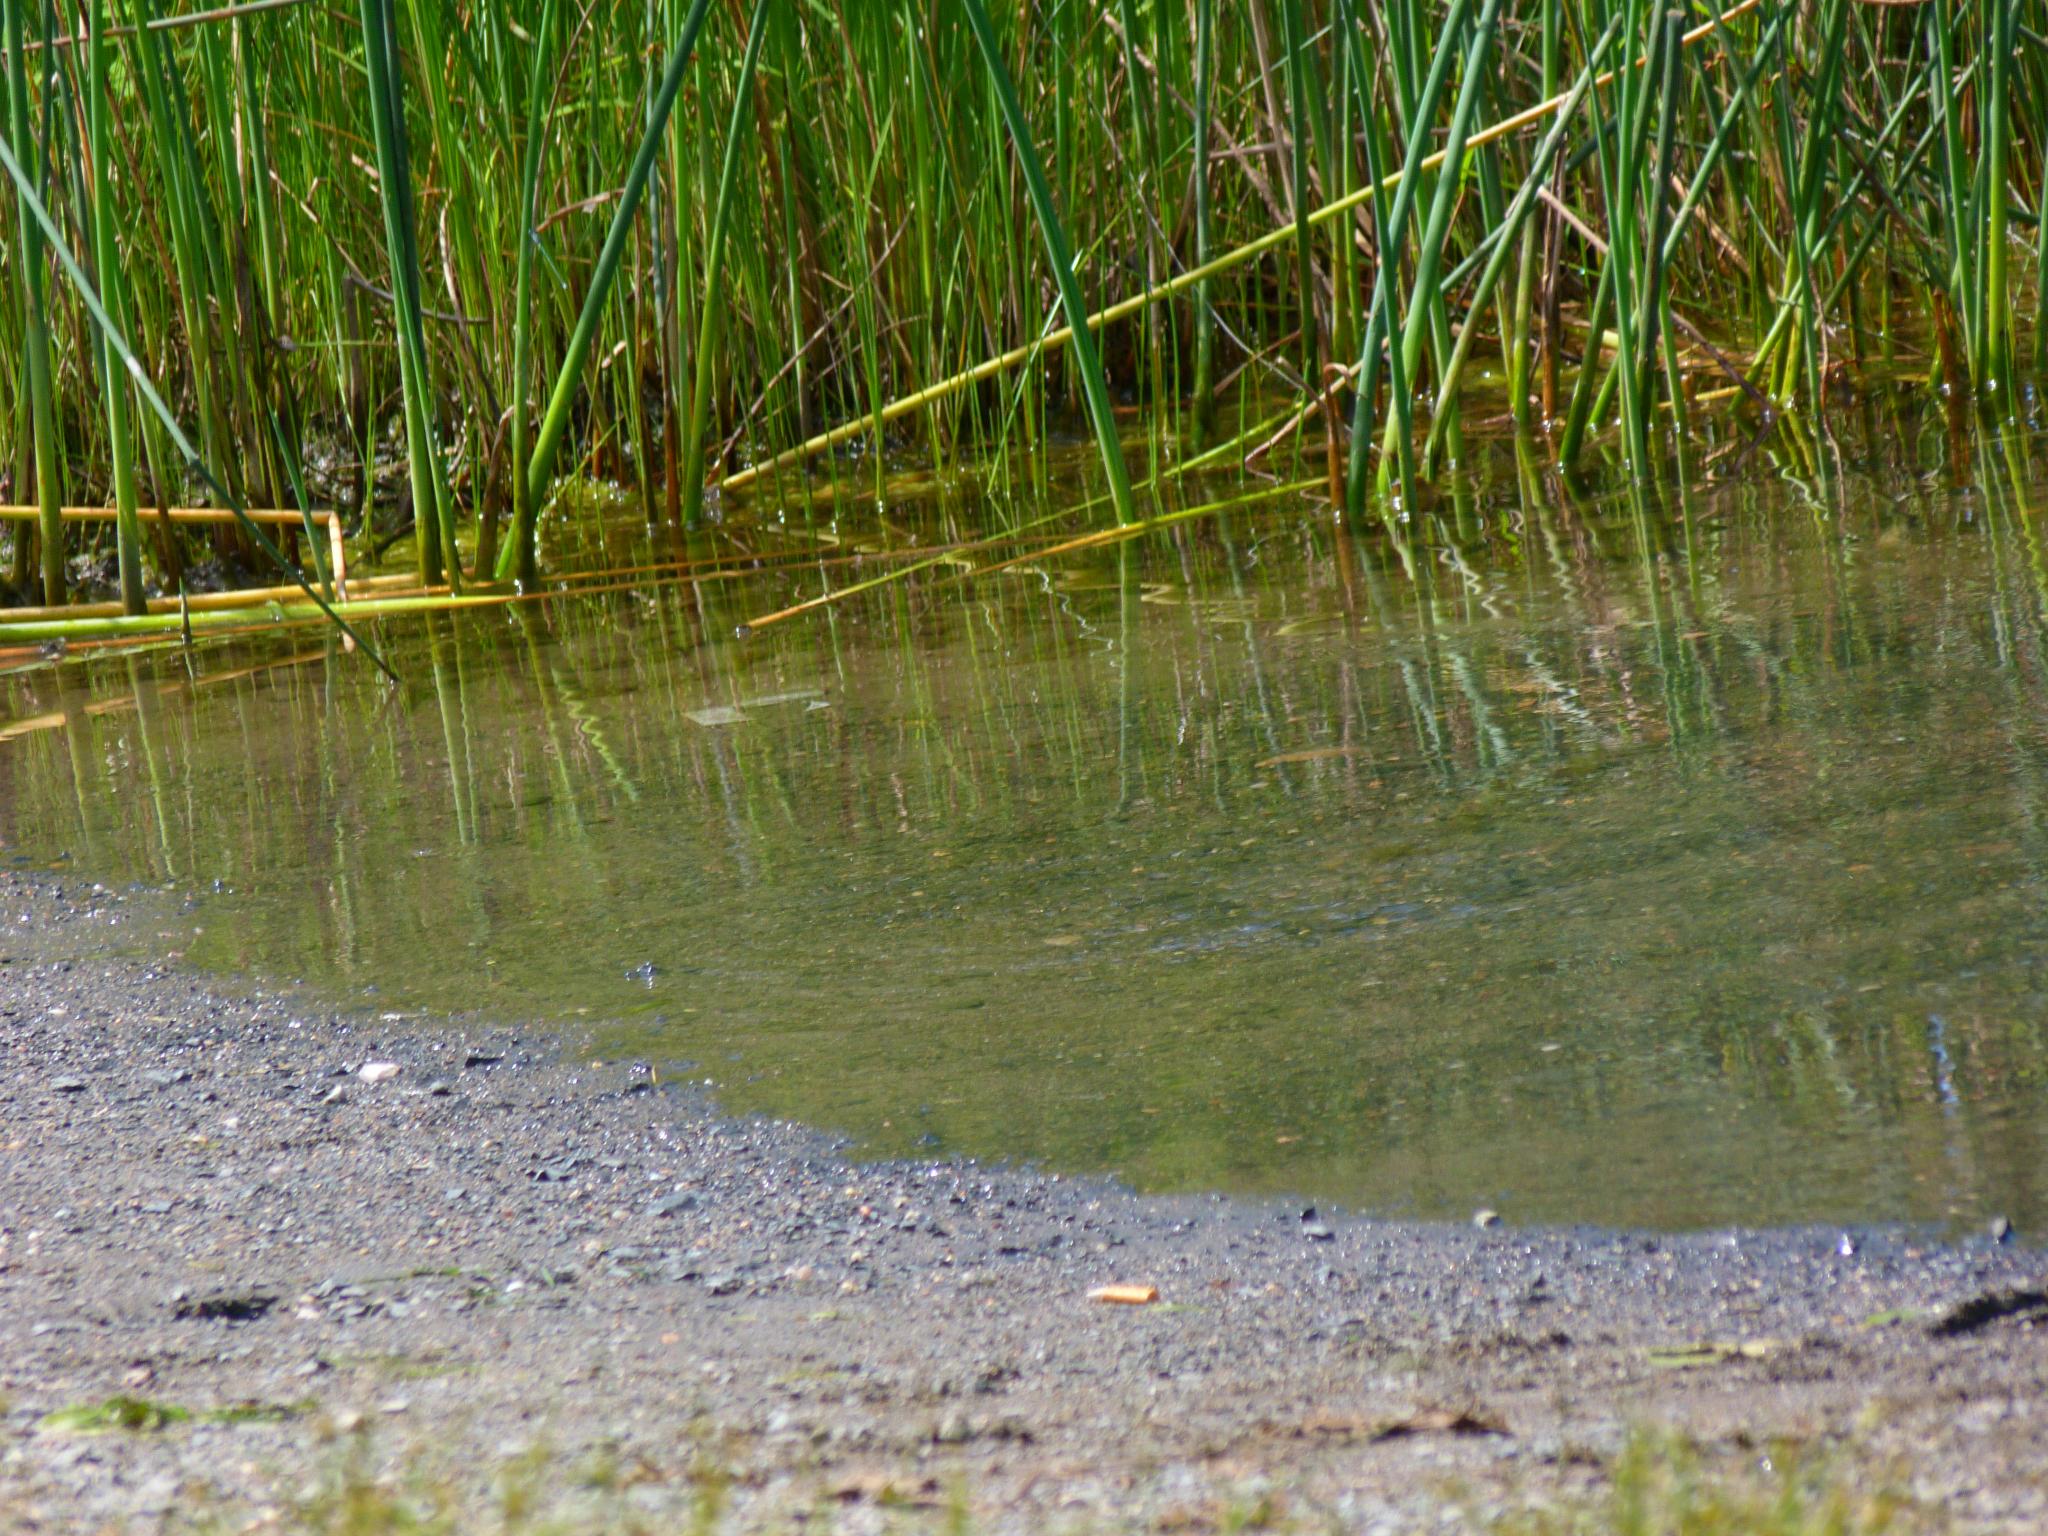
(1331, 853)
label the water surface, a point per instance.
(1664, 856)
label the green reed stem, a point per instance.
(1086, 359)
(1514, 220)
(1393, 234)
(714, 265)
(194, 464)
(1204, 315)
(522, 546)
(555, 423)
(433, 513)
(1994, 360)
(35, 329)
(1430, 255)
(113, 378)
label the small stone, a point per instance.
(312, 1367)
(394, 1406)
(1846, 1247)
(2001, 1230)
(481, 1059)
(164, 1077)
(439, 1088)
(953, 1429)
(377, 1071)
(224, 1306)
(1314, 1230)
(67, 1085)
(671, 1205)
(335, 1095)
(1483, 1219)
(722, 1285)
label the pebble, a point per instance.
(377, 1071)
(1484, 1218)
(67, 1085)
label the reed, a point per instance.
(443, 256)
(30, 278)
(714, 266)
(432, 514)
(1101, 416)
(539, 470)
(119, 349)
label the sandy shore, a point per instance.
(506, 1262)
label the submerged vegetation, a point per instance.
(418, 262)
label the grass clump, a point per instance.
(533, 1493)
(1665, 1485)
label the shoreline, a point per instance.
(502, 1252)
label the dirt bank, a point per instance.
(506, 1256)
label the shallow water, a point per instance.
(1664, 857)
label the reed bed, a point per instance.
(423, 263)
